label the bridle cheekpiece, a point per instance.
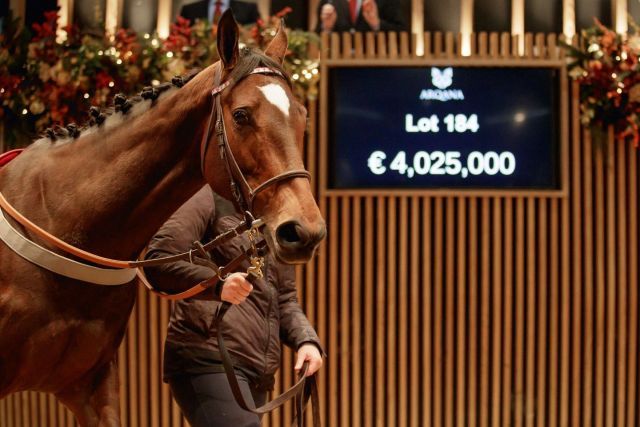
(240, 188)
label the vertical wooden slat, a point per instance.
(622, 273)
(449, 314)
(23, 405)
(358, 45)
(472, 414)
(334, 52)
(427, 316)
(542, 284)
(449, 45)
(164, 391)
(505, 45)
(154, 362)
(392, 45)
(485, 314)
(507, 321)
(143, 354)
(496, 308)
(554, 326)
(322, 312)
(438, 46)
(345, 312)
(381, 257)
(483, 44)
(392, 388)
(461, 308)
(403, 332)
(494, 45)
(370, 45)
(405, 49)
(381, 41)
(11, 409)
(347, 46)
(427, 45)
(633, 418)
(42, 409)
(611, 285)
(588, 308)
(600, 295)
(286, 375)
(576, 271)
(530, 348)
(438, 362)
(122, 378)
(519, 383)
(132, 370)
(333, 361)
(356, 313)
(414, 309)
(51, 402)
(33, 408)
(566, 304)
(368, 313)
(4, 412)
(61, 416)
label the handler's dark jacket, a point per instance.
(253, 329)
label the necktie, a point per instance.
(217, 12)
(353, 9)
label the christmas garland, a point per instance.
(606, 66)
(44, 82)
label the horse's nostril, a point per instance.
(288, 234)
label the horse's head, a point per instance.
(264, 125)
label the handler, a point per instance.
(261, 317)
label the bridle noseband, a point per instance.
(240, 188)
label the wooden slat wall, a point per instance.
(440, 310)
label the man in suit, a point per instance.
(245, 12)
(359, 15)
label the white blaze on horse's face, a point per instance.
(276, 95)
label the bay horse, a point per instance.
(109, 189)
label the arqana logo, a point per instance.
(442, 79)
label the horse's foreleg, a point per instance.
(96, 404)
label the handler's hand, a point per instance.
(236, 288)
(309, 352)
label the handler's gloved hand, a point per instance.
(236, 288)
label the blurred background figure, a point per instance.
(359, 15)
(245, 12)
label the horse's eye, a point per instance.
(241, 117)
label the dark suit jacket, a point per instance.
(388, 11)
(245, 13)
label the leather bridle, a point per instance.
(242, 192)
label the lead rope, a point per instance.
(302, 390)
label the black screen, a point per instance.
(454, 127)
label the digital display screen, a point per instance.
(444, 127)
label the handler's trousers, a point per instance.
(206, 400)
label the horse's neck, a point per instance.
(118, 186)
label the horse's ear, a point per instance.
(228, 35)
(277, 49)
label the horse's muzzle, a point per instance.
(297, 243)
